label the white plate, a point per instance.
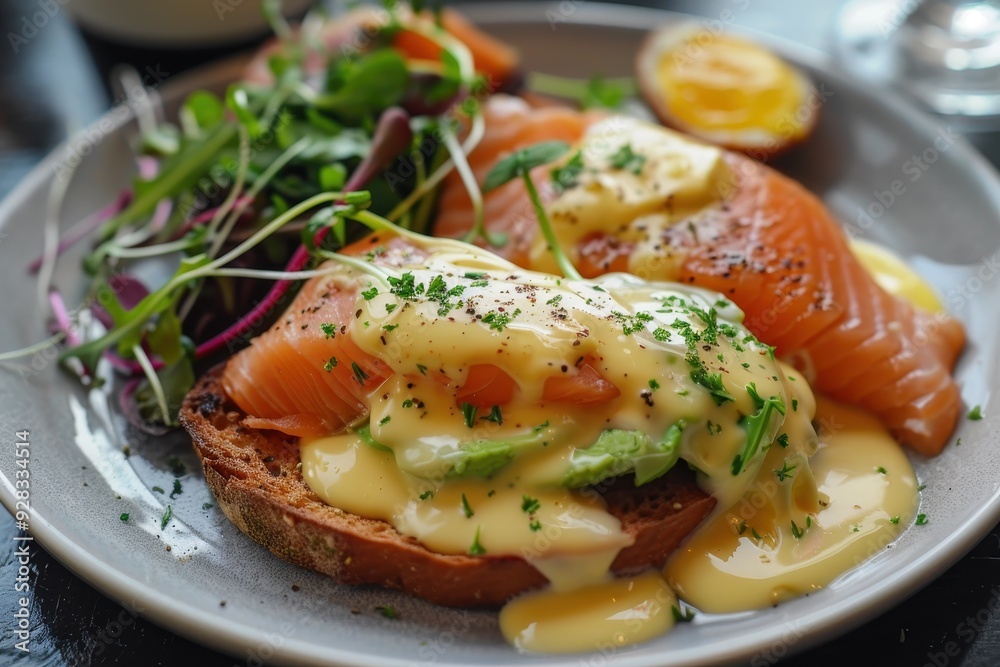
(946, 223)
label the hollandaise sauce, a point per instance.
(515, 393)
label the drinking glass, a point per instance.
(943, 53)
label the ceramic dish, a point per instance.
(202, 578)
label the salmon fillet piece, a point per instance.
(772, 248)
(306, 377)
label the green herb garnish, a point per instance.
(387, 611)
(167, 514)
(520, 163)
(466, 508)
(495, 415)
(567, 176)
(469, 414)
(359, 373)
(785, 472)
(685, 616)
(476, 549)
(626, 158)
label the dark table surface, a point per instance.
(52, 84)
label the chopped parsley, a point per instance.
(405, 286)
(626, 158)
(796, 531)
(894, 519)
(385, 420)
(542, 426)
(782, 440)
(422, 369)
(881, 470)
(158, 489)
(795, 405)
(654, 385)
(390, 327)
(785, 472)
(685, 616)
(359, 373)
(469, 413)
(476, 549)
(741, 527)
(530, 505)
(661, 334)
(498, 321)
(439, 292)
(568, 175)
(466, 508)
(429, 493)
(921, 519)
(975, 414)
(407, 403)
(370, 294)
(474, 275)
(535, 525)
(177, 490)
(330, 364)
(632, 323)
(710, 381)
(495, 415)
(388, 611)
(207, 506)
(124, 516)
(756, 426)
(167, 515)
(554, 301)
(329, 329)
(389, 307)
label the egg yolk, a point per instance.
(895, 276)
(730, 84)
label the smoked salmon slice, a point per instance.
(306, 377)
(772, 248)
(361, 28)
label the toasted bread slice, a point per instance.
(255, 477)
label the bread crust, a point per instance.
(256, 479)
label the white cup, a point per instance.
(176, 23)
